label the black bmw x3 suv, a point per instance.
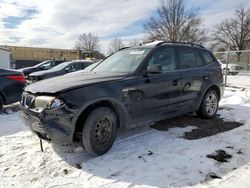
(134, 86)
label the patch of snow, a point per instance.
(179, 132)
(239, 80)
(10, 124)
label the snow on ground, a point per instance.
(142, 157)
(239, 80)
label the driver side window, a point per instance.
(165, 57)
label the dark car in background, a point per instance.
(11, 86)
(134, 86)
(45, 65)
(59, 70)
(90, 67)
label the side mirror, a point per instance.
(154, 69)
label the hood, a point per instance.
(72, 81)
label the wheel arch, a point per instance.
(115, 105)
(216, 89)
(211, 87)
(3, 97)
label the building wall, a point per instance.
(23, 56)
(40, 54)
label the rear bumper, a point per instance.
(50, 126)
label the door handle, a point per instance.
(126, 90)
(175, 82)
(205, 77)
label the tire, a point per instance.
(99, 131)
(209, 105)
(1, 103)
(235, 73)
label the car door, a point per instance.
(194, 76)
(159, 94)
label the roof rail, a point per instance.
(123, 48)
(186, 43)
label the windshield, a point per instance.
(126, 60)
(38, 65)
(60, 66)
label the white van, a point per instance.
(4, 58)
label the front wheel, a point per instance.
(99, 131)
(209, 105)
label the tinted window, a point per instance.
(207, 57)
(187, 58)
(165, 57)
(74, 67)
(198, 58)
(86, 64)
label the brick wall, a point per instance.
(40, 54)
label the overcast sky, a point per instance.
(58, 23)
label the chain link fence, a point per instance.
(236, 67)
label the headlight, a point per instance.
(48, 102)
(56, 103)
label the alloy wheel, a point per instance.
(211, 104)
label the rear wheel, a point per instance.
(209, 105)
(99, 131)
(1, 103)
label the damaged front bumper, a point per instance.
(50, 125)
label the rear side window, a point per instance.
(187, 58)
(165, 57)
(207, 57)
(198, 58)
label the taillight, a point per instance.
(19, 78)
(221, 76)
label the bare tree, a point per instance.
(87, 43)
(134, 42)
(115, 45)
(234, 33)
(175, 23)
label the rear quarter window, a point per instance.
(207, 57)
(188, 58)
